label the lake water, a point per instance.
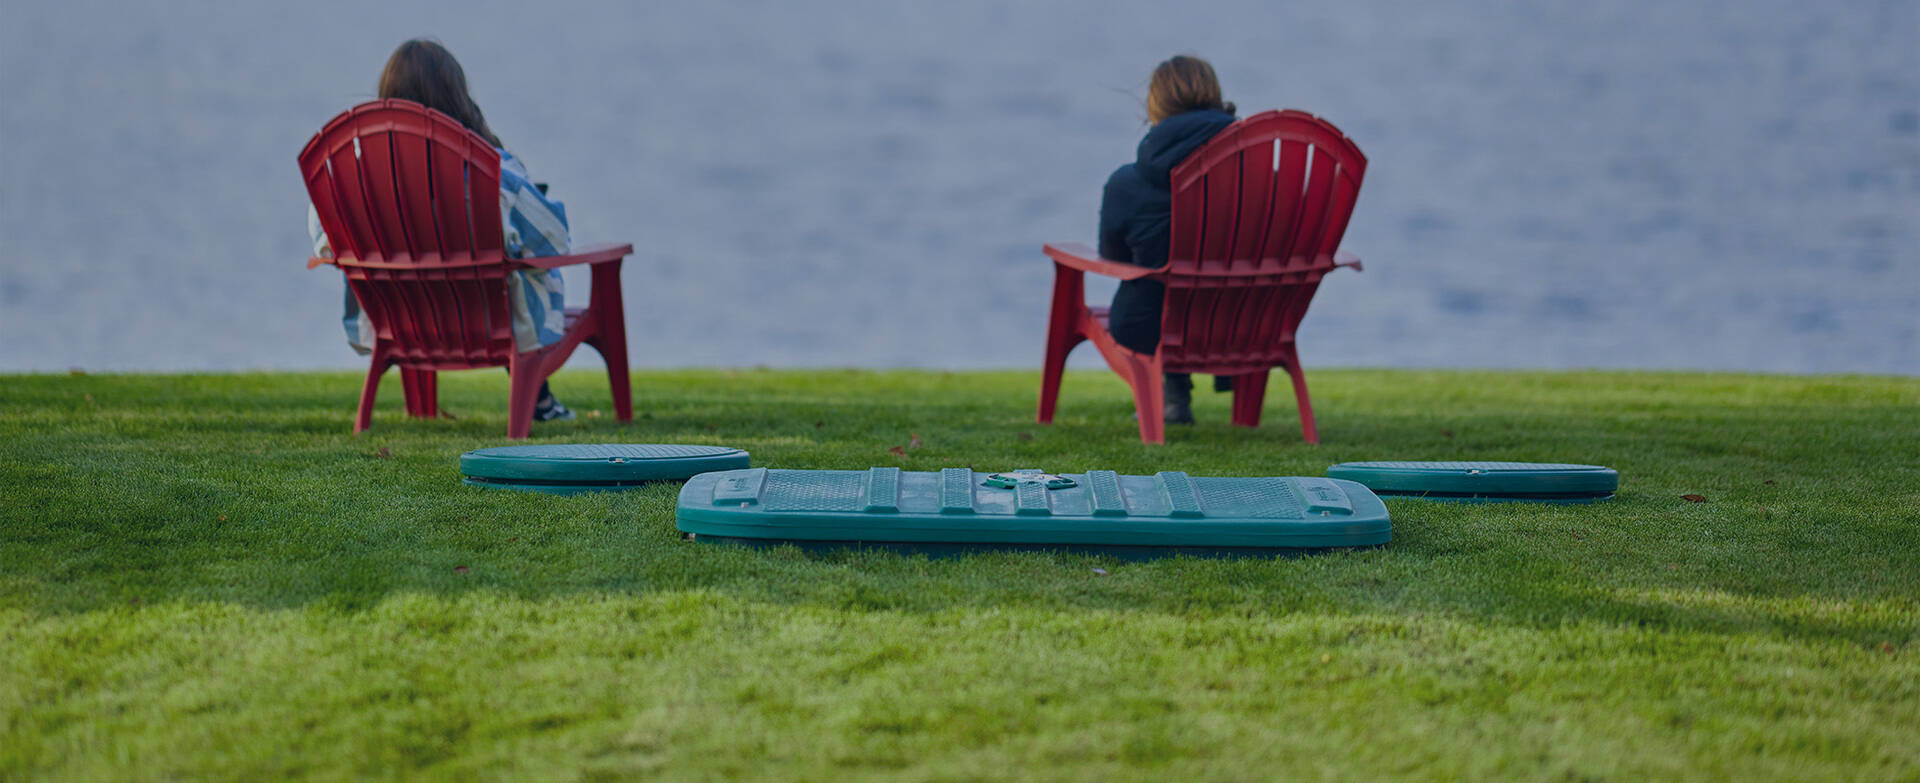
(1698, 184)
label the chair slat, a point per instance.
(1256, 204)
(383, 196)
(1222, 212)
(1255, 211)
(483, 187)
(415, 190)
(1288, 182)
(1313, 209)
(1346, 190)
(351, 199)
(447, 169)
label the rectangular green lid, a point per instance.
(1096, 508)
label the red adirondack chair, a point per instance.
(410, 200)
(1258, 213)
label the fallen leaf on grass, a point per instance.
(1694, 498)
(1024, 435)
(593, 414)
(1100, 572)
(913, 441)
(383, 453)
(459, 569)
(513, 539)
(223, 517)
(897, 451)
(1578, 537)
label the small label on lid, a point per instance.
(1324, 496)
(739, 488)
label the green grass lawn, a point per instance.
(208, 577)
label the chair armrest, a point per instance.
(318, 261)
(1086, 259)
(587, 254)
(1344, 258)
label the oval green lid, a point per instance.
(579, 466)
(1482, 480)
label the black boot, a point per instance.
(1179, 393)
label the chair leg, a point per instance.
(611, 336)
(1307, 431)
(368, 391)
(1249, 396)
(1063, 333)
(1150, 400)
(524, 390)
(430, 393)
(421, 388)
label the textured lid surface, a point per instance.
(1100, 507)
(598, 462)
(1492, 479)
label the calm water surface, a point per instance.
(1685, 184)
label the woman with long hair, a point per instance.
(534, 225)
(1185, 110)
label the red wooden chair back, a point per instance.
(410, 200)
(1257, 215)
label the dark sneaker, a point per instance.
(1179, 396)
(1179, 413)
(550, 409)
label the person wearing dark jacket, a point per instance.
(1136, 213)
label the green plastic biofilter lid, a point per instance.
(1169, 512)
(586, 467)
(1483, 481)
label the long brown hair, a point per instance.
(424, 72)
(1183, 84)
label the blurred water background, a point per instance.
(1688, 184)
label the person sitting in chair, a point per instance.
(424, 72)
(1185, 110)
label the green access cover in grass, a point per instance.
(585, 467)
(1098, 510)
(1483, 481)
